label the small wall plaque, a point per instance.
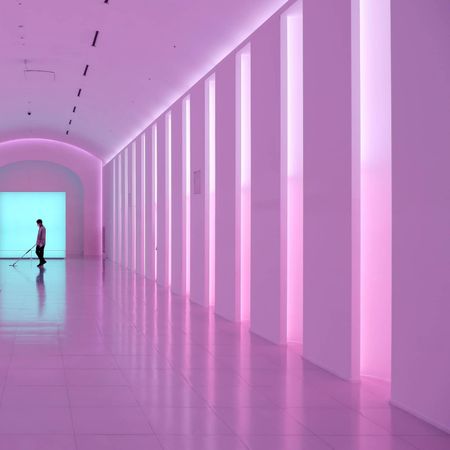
(197, 179)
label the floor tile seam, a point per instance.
(272, 404)
(318, 435)
(389, 431)
(238, 437)
(70, 406)
(37, 434)
(211, 410)
(140, 407)
(2, 393)
(403, 436)
(315, 436)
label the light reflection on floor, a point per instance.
(31, 298)
(95, 358)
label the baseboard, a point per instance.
(331, 371)
(444, 428)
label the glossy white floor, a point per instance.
(94, 358)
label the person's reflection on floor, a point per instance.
(40, 286)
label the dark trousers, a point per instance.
(40, 254)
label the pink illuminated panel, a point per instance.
(133, 208)
(119, 209)
(114, 210)
(210, 182)
(376, 192)
(243, 176)
(292, 169)
(155, 197)
(142, 241)
(124, 212)
(186, 186)
(140, 206)
(129, 210)
(118, 206)
(168, 206)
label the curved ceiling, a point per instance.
(147, 53)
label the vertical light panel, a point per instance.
(133, 209)
(292, 169)
(119, 210)
(155, 198)
(140, 213)
(168, 208)
(125, 241)
(114, 210)
(142, 241)
(149, 211)
(243, 177)
(210, 183)
(186, 171)
(376, 187)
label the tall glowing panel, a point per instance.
(155, 198)
(210, 175)
(125, 240)
(168, 189)
(119, 209)
(133, 191)
(292, 169)
(150, 202)
(140, 205)
(243, 176)
(186, 173)
(143, 202)
(376, 191)
(114, 210)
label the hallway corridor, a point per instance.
(93, 357)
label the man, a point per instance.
(40, 243)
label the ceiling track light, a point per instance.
(86, 70)
(67, 131)
(94, 41)
(74, 109)
(79, 93)
(70, 122)
(106, 1)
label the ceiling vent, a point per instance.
(42, 76)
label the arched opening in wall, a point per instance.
(47, 177)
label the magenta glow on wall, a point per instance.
(114, 212)
(292, 169)
(83, 165)
(155, 198)
(168, 189)
(140, 206)
(243, 177)
(210, 183)
(133, 211)
(376, 192)
(186, 193)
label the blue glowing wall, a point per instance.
(18, 229)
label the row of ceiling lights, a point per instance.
(85, 71)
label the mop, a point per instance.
(23, 256)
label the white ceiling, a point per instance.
(148, 53)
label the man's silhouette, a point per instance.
(40, 242)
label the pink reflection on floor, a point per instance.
(99, 359)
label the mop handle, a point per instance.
(23, 256)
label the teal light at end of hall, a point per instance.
(18, 214)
